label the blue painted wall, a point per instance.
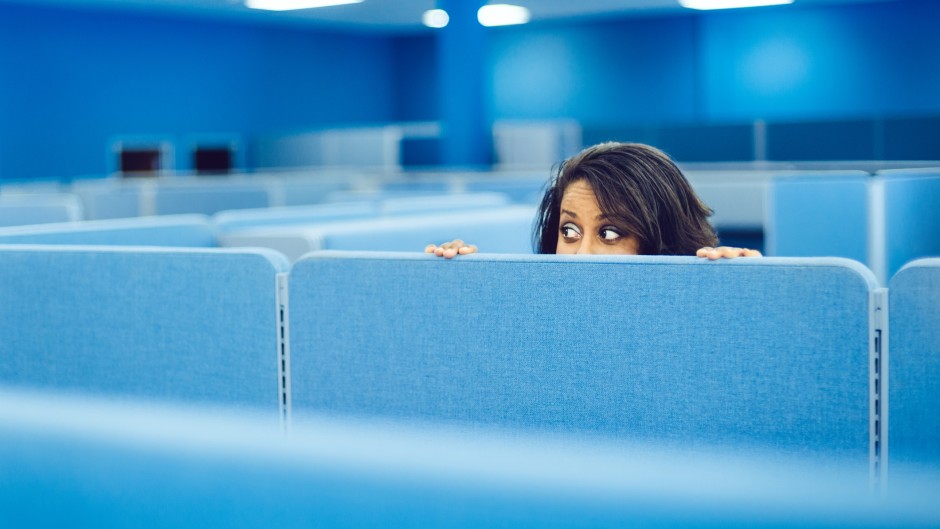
(631, 70)
(416, 86)
(72, 80)
(789, 62)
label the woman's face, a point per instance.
(585, 229)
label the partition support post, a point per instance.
(878, 388)
(283, 352)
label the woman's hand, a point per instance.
(449, 250)
(726, 252)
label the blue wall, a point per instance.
(864, 60)
(791, 62)
(416, 86)
(72, 80)
(632, 70)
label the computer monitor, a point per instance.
(140, 161)
(212, 160)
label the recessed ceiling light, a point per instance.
(287, 5)
(435, 18)
(502, 15)
(730, 4)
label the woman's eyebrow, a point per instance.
(570, 213)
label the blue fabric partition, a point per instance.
(24, 209)
(299, 189)
(86, 463)
(769, 353)
(502, 230)
(233, 220)
(911, 202)
(914, 365)
(170, 230)
(383, 194)
(195, 325)
(209, 198)
(441, 203)
(816, 215)
(110, 198)
(522, 190)
(498, 230)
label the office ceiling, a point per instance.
(387, 16)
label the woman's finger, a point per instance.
(728, 251)
(466, 249)
(451, 249)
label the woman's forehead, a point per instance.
(579, 190)
(579, 198)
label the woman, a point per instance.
(619, 198)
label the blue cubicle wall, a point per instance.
(914, 366)
(911, 209)
(185, 325)
(628, 347)
(797, 361)
(884, 220)
(819, 214)
(29, 208)
(493, 229)
(170, 230)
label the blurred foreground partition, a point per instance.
(90, 463)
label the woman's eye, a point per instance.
(569, 231)
(610, 234)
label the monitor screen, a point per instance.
(139, 161)
(212, 160)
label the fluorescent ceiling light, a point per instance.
(435, 18)
(502, 15)
(730, 4)
(287, 5)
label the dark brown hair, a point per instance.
(638, 187)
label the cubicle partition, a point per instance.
(28, 208)
(914, 366)
(745, 354)
(778, 361)
(378, 205)
(207, 198)
(186, 325)
(169, 230)
(108, 198)
(87, 463)
(908, 208)
(493, 229)
(819, 214)
(883, 219)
